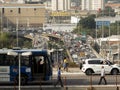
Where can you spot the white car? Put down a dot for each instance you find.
(94, 65)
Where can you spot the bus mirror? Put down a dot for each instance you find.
(26, 54)
(12, 53)
(50, 51)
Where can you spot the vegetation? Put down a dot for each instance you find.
(108, 11)
(88, 22)
(112, 30)
(87, 25)
(8, 40)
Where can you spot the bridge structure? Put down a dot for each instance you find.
(53, 36)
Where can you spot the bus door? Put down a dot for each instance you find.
(38, 66)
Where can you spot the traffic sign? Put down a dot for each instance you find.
(104, 23)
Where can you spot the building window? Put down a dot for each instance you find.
(11, 10)
(3, 10)
(34, 9)
(19, 10)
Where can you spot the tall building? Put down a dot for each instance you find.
(93, 4)
(61, 5)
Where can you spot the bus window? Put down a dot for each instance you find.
(25, 61)
(6, 60)
(1, 59)
(9, 60)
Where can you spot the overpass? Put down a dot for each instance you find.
(62, 39)
(56, 37)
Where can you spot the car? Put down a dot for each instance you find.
(93, 66)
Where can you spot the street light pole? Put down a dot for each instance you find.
(96, 31)
(19, 70)
(118, 33)
(28, 24)
(1, 20)
(109, 43)
(17, 30)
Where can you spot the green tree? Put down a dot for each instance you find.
(3, 39)
(88, 22)
(8, 40)
(108, 11)
(86, 25)
(112, 30)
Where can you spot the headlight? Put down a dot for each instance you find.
(28, 70)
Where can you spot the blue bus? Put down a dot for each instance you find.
(33, 67)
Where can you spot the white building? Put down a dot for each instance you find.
(21, 1)
(61, 5)
(54, 5)
(60, 27)
(93, 4)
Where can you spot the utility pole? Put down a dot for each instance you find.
(1, 20)
(17, 30)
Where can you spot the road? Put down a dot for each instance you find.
(79, 78)
(73, 80)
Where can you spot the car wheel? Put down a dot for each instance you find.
(88, 72)
(114, 72)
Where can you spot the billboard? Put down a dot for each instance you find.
(60, 14)
(104, 23)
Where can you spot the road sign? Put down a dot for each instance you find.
(104, 23)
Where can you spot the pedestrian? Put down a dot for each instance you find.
(59, 78)
(102, 76)
(65, 64)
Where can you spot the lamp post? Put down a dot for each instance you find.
(118, 33)
(109, 44)
(19, 71)
(17, 30)
(96, 30)
(1, 20)
(28, 24)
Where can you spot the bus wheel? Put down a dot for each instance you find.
(23, 79)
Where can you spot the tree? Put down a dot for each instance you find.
(86, 25)
(112, 30)
(108, 11)
(8, 40)
(88, 22)
(3, 39)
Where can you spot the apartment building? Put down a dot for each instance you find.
(93, 4)
(61, 5)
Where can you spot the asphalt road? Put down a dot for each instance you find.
(73, 80)
(77, 77)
